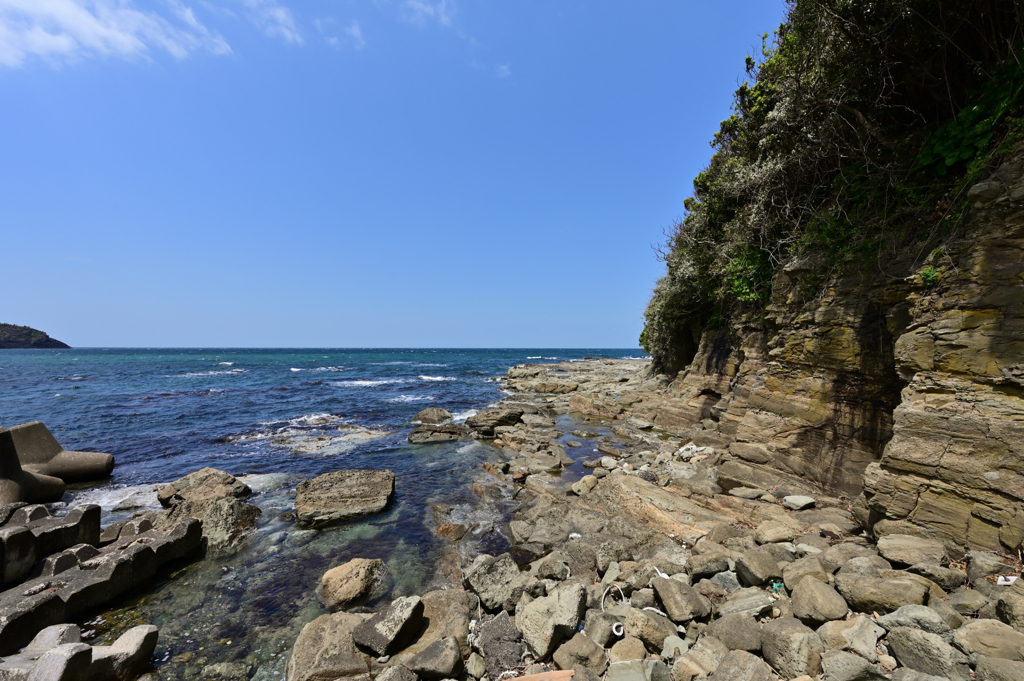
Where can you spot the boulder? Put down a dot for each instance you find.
(599, 627)
(342, 495)
(128, 656)
(946, 578)
(345, 584)
(389, 631)
(839, 665)
(796, 502)
(443, 433)
(858, 634)
(905, 549)
(737, 632)
(580, 650)
(39, 452)
(994, 669)
(756, 567)
(740, 665)
(927, 653)
(1010, 608)
(919, 617)
(706, 565)
(395, 672)
(791, 648)
(448, 612)
(681, 602)
(702, 660)
(650, 627)
(433, 416)
(547, 621)
(750, 601)
(835, 557)
(486, 421)
(793, 573)
(442, 659)
(629, 648)
(673, 648)
(982, 564)
(213, 497)
(815, 602)
(325, 649)
(771, 531)
(496, 580)
(500, 643)
(872, 594)
(990, 638)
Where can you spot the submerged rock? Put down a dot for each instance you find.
(347, 583)
(433, 416)
(342, 495)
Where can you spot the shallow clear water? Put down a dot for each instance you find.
(276, 417)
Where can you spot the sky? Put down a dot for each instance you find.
(343, 173)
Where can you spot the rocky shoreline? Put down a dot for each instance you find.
(636, 555)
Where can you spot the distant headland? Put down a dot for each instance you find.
(14, 337)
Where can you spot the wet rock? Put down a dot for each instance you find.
(905, 549)
(342, 495)
(500, 643)
(387, 632)
(629, 648)
(740, 665)
(427, 434)
(546, 622)
(858, 634)
(990, 638)
(791, 648)
(927, 653)
(681, 602)
(442, 659)
(433, 416)
(581, 651)
(838, 665)
(496, 580)
(347, 583)
(325, 650)
(815, 602)
(991, 669)
(756, 567)
(737, 632)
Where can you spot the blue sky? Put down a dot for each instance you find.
(332, 173)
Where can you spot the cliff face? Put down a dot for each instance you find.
(24, 337)
(882, 384)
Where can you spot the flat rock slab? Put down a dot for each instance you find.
(797, 502)
(342, 495)
(905, 549)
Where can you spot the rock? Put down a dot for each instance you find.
(325, 650)
(946, 578)
(433, 416)
(905, 549)
(584, 485)
(475, 666)
(835, 557)
(793, 573)
(1010, 608)
(599, 627)
(580, 650)
(756, 567)
(982, 564)
(681, 602)
(442, 659)
(706, 565)
(213, 497)
(737, 632)
(990, 638)
(858, 634)
(629, 648)
(747, 492)
(865, 566)
(494, 580)
(500, 643)
(427, 434)
(783, 553)
(67, 662)
(992, 669)
(389, 631)
(919, 617)
(342, 495)
(907, 674)
(815, 602)
(486, 421)
(206, 484)
(927, 653)
(839, 665)
(395, 672)
(546, 622)
(750, 601)
(448, 612)
(128, 656)
(791, 648)
(872, 594)
(740, 665)
(627, 671)
(673, 648)
(649, 627)
(702, 660)
(950, 616)
(795, 502)
(967, 602)
(771, 531)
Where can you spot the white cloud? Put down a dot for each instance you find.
(68, 30)
(274, 19)
(503, 71)
(355, 34)
(420, 11)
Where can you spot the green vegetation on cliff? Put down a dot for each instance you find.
(14, 337)
(862, 126)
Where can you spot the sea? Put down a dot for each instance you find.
(274, 418)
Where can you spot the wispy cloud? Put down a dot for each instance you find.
(503, 71)
(355, 34)
(274, 19)
(69, 30)
(419, 12)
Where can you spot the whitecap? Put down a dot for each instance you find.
(438, 378)
(119, 498)
(412, 398)
(431, 364)
(294, 369)
(208, 373)
(328, 369)
(226, 364)
(461, 416)
(537, 357)
(369, 383)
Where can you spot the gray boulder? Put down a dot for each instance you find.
(649, 627)
(389, 631)
(756, 567)
(857, 634)
(793, 572)
(737, 632)
(815, 602)
(681, 602)
(994, 669)
(433, 416)
(838, 665)
(496, 580)
(581, 651)
(905, 549)
(750, 601)
(990, 638)
(791, 648)
(927, 653)
(325, 649)
(946, 578)
(500, 643)
(342, 495)
(546, 622)
(706, 565)
(919, 617)
(703, 659)
(740, 665)
(872, 594)
(442, 659)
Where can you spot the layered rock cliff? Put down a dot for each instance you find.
(900, 390)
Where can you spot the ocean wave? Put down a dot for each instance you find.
(412, 398)
(294, 369)
(438, 378)
(208, 373)
(368, 382)
(537, 357)
(461, 416)
(225, 364)
(327, 369)
(431, 364)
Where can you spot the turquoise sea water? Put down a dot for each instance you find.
(275, 417)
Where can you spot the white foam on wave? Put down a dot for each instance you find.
(431, 364)
(226, 364)
(412, 398)
(208, 373)
(119, 498)
(537, 357)
(461, 416)
(294, 369)
(369, 382)
(438, 378)
(327, 369)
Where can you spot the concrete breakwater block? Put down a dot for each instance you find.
(58, 654)
(83, 578)
(17, 485)
(39, 452)
(29, 533)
